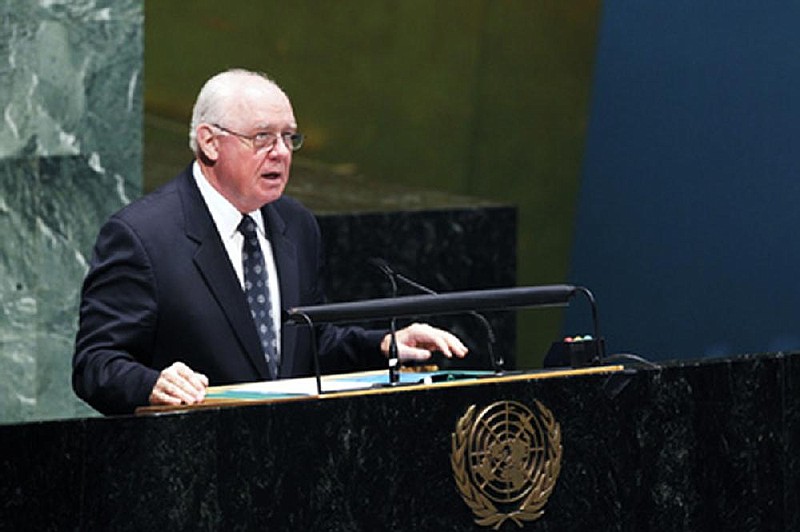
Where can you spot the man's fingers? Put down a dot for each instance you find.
(440, 340)
(175, 392)
(447, 343)
(406, 352)
(417, 341)
(179, 384)
(160, 397)
(183, 389)
(198, 381)
(455, 346)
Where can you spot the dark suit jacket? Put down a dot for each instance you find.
(161, 289)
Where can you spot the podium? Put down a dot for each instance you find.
(688, 445)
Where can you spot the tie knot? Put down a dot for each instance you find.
(247, 226)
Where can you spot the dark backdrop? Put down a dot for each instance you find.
(688, 218)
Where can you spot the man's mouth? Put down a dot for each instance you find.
(271, 175)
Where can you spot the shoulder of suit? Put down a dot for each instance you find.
(289, 206)
(151, 207)
(165, 197)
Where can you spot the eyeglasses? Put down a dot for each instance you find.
(264, 140)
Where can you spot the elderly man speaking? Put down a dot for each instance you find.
(186, 285)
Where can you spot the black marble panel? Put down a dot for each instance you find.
(445, 250)
(790, 449)
(708, 445)
(139, 475)
(41, 476)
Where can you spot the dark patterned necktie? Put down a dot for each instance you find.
(256, 289)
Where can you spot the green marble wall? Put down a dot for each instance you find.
(70, 154)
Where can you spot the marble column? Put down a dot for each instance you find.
(70, 154)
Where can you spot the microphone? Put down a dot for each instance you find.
(496, 360)
(394, 361)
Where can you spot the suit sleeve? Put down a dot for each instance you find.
(118, 313)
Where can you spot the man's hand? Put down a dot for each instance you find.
(418, 340)
(178, 384)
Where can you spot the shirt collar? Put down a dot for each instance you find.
(226, 217)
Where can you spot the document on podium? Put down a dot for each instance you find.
(307, 386)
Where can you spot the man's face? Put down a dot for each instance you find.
(250, 178)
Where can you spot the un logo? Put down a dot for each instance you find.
(506, 460)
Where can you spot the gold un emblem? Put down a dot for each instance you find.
(506, 461)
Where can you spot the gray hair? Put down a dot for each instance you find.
(210, 106)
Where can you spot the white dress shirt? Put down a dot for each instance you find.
(227, 218)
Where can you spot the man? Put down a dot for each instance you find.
(186, 284)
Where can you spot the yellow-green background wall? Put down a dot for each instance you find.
(480, 98)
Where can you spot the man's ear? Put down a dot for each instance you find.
(207, 142)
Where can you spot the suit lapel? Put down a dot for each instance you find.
(215, 268)
(285, 255)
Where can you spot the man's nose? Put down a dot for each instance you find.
(280, 148)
